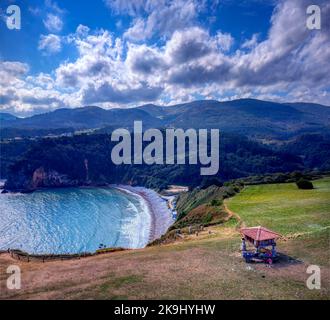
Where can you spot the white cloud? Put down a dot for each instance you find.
(130, 7)
(142, 59)
(11, 73)
(160, 18)
(54, 7)
(24, 94)
(11, 77)
(190, 44)
(82, 30)
(250, 43)
(53, 23)
(225, 41)
(137, 31)
(50, 43)
(291, 64)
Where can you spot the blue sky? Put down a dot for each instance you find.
(123, 53)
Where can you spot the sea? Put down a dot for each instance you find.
(76, 220)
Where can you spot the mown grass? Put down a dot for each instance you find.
(284, 208)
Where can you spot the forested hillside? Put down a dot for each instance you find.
(64, 162)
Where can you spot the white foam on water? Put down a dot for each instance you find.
(137, 229)
(157, 207)
(79, 220)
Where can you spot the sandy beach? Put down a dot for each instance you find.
(160, 213)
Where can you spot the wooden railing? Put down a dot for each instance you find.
(26, 257)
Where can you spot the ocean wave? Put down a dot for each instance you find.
(74, 220)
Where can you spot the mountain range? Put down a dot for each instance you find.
(250, 117)
(297, 137)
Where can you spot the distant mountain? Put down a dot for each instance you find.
(313, 109)
(165, 112)
(7, 117)
(81, 118)
(249, 117)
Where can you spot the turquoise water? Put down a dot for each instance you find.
(73, 220)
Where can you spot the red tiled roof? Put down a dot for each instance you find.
(260, 233)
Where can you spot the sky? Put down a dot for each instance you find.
(126, 53)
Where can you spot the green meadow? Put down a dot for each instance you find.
(284, 208)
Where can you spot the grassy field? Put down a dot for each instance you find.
(207, 266)
(284, 208)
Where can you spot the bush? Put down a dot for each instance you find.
(304, 184)
(216, 203)
(229, 192)
(208, 218)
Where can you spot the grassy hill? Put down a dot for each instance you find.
(205, 267)
(285, 208)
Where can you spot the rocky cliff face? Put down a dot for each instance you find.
(39, 179)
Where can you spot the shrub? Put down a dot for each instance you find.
(208, 218)
(304, 184)
(237, 188)
(216, 203)
(229, 192)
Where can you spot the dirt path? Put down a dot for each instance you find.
(241, 223)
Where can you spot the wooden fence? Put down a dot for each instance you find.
(26, 257)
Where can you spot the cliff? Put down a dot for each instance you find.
(40, 178)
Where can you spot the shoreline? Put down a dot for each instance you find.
(161, 215)
(160, 210)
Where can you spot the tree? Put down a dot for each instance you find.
(304, 184)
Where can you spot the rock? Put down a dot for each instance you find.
(40, 178)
